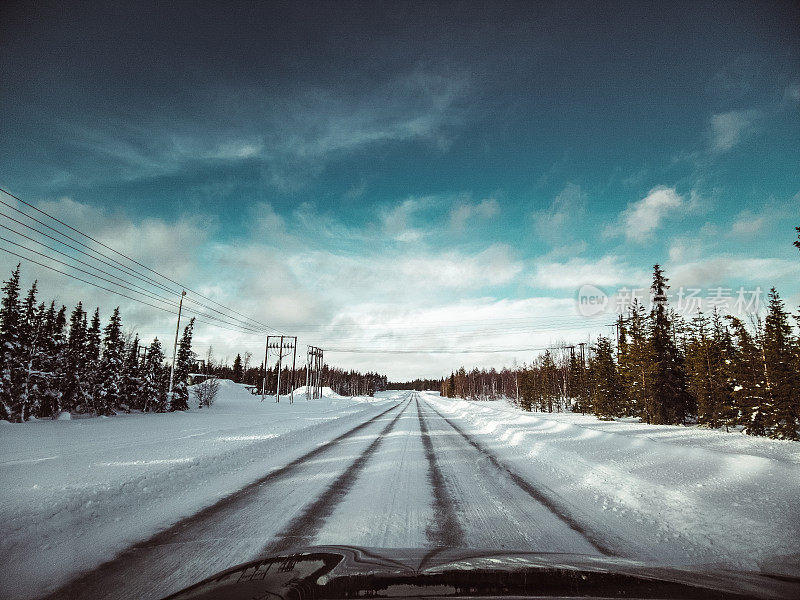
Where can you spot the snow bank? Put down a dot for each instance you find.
(664, 493)
(77, 491)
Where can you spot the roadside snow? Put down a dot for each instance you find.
(76, 491)
(672, 494)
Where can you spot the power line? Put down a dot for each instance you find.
(146, 293)
(168, 310)
(118, 268)
(443, 350)
(129, 269)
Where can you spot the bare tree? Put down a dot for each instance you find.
(206, 392)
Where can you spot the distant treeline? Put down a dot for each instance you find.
(51, 364)
(417, 384)
(713, 370)
(345, 383)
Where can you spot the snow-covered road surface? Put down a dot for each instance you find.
(414, 470)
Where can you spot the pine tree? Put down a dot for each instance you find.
(183, 365)
(72, 389)
(52, 362)
(155, 378)
(91, 374)
(10, 321)
(108, 394)
(26, 376)
(132, 384)
(636, 362)
(670, 400)
(707, 371)
(578, 384)
(237, 369)
(58, 359)
(783, 380)
(549, 386)
(748, 383)
(608, 393)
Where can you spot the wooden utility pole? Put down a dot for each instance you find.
(280, 363)
(294, 361)
(264, 383)
(314, 372)
(308, 368)
(175, 348)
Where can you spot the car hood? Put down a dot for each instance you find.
(322, 572)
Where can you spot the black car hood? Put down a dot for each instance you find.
(334, 572)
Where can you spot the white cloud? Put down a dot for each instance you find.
(567, 206)
(748, 224)
(725, 269)
(462, 212)
(575, 272)
(396, 221)
(728, 129)
(640, 219)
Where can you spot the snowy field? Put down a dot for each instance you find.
(141, 505)
(74, 492)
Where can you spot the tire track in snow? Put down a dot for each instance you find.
(302, 529)
(85, 584)
(444, 530)
(543, 499)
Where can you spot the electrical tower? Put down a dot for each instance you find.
(286, 343)
(313, 372)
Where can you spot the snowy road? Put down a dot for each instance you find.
(403, 470)
(405, 478)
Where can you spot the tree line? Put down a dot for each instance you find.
(713, 370)
(344, 383)
(51, 364)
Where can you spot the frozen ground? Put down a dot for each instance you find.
(141, 505)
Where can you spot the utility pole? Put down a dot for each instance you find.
(280, 362)
(319, 373)
(294, 361)
(314, 372)
(264, 383)
(175, 348)
(308, 367)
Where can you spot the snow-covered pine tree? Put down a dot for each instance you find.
(608, 393)
(132, 384)
(706, 370)
(51, 364)
(155, 379)
(108, 396)
(72, 392)
(10, 321)
(183, 365)
(57, 360)
(747, 373)
(91, 373)
(670, 400)
(578, 384)
(26, 377)
(636, 364)
(237, 369)
(549, 385)
(783, 380)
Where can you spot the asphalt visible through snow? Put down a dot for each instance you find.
(408, 477)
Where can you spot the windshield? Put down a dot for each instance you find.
(482, 283)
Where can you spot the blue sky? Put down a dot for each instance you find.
(370, 167)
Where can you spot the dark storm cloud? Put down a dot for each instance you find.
(119, 95)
